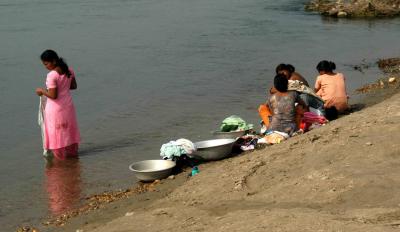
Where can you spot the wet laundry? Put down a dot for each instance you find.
(174, 149)
(234, 123)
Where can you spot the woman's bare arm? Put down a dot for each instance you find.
(50, 93)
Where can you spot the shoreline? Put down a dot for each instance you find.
(141, 196)
(241, 189)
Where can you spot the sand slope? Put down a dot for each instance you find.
(342, 177)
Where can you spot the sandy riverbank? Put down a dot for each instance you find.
(261, 181)
(341, 177)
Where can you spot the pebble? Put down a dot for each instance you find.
(128, 214)
(335, 130)
(392, 79)
(369, 143)
(79, 230)
(158, 212)
(341, 14)
(315, 138)
(171, 177)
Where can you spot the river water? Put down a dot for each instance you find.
(149, 72)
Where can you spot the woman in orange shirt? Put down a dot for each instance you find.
(331, 87)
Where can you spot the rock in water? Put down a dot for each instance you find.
(342, 14)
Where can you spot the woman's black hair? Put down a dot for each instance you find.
(326, 66)
(288, 67)
(281, 83)
(51, 56)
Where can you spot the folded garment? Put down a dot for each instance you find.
(274, 137)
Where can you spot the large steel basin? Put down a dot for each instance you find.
(228, 135)
(149, 170)
(214, 149)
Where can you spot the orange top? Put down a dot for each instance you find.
(332, 89)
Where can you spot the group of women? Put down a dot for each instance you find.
(291, 96)
(61, 132)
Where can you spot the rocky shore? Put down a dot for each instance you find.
(355, 8)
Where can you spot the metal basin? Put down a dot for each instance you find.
(229, 135)
(215, 149)
(149, 170)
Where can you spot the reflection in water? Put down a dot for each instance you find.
(63, 185)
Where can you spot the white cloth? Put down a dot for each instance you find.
(42, 104)
(187, 145)
(302, 88)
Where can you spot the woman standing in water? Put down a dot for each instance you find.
(61, 129)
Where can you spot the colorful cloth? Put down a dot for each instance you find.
(234, 123)
(332, 89)
(265, 114)
(310, 117)
(174, 149)
(61, 128)
(312, 120)
(274, 137)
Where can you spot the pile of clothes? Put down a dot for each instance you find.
(311, 121)
(175, 149)
(274, 137)
(235, 123)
